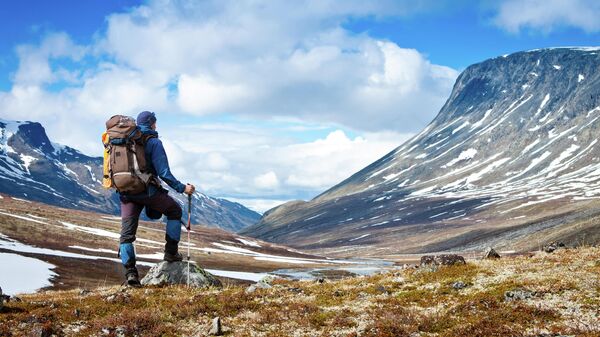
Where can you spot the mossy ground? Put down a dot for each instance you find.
(564, 290)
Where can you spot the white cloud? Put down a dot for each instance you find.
(272, 168)
(203, 95)
(34, 67)
(266, 181)
(271, 61)
(548, 15)
(282, 59)
(259, 205)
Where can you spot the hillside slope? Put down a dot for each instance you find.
(511, 160)
(64, 248)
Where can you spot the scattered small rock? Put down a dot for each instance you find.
(442, 259)
(491, 253)
(459, 285)
(428, 260)
(381, 289)
(552, 246)
(84, 292)
(252, 288)
(118, 298)
(41, 330)
(518, 295)
(216, 329)
(320, 280)
(268, 279)
(14, 299)
(399, 279)
(338, 293)
(295, 290)
(120, 331)
(76, 313)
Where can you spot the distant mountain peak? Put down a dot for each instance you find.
(33, 167)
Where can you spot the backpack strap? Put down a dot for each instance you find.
(146, 137)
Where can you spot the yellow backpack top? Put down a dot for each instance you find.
(106, 181)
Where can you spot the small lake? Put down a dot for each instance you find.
(347, 268)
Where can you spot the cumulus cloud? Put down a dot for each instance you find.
(273, 168)
(282, 59)
(265, 61)
(548, 15)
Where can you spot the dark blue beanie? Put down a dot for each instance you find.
(146, 118)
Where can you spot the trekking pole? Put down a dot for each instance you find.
(189, 227)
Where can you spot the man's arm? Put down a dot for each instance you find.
(161, 164)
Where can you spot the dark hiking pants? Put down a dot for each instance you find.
(130, 214)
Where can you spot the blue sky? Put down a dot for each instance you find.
(266, 101)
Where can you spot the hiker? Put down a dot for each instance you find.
(155, 199)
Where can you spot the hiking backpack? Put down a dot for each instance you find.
(124, 158)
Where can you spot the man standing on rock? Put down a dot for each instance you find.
(155, 199)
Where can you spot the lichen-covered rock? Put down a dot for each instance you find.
(167, 273)
(518, 295)
(552, 246)
(442, 259)
(459, 285)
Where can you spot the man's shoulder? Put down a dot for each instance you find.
(153, 141)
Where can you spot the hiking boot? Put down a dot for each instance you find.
(169, 257)
(133, 279)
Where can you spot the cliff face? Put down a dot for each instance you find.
(513, 151)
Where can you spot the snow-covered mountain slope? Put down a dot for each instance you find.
(511, 160)
(34, 168)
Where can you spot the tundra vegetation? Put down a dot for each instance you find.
(536, 294)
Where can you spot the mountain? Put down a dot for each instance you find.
(34, 168)
(512, 160)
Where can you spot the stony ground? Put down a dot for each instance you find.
(539, 294)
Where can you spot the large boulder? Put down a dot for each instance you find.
(167, 273)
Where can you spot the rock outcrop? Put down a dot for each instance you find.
(491, 253)
(442, 259)
(168, 273)
(264, 283)
(552, 246)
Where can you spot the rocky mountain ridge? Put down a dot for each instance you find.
(511, 160)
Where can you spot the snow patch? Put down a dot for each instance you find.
(464, 155)
(248, 242)
(360, 237)
(27, 160)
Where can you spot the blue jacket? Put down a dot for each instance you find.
(158, 164)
